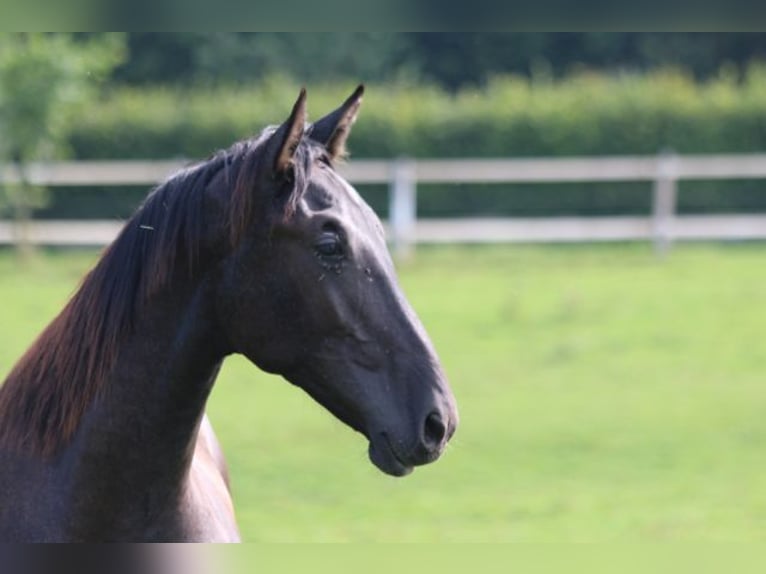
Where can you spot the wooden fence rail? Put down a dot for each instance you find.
(403, 175)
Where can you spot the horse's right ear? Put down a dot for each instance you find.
(333, 129)
(284, 141)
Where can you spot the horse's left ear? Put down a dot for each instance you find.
(333, 129)
(284, 141)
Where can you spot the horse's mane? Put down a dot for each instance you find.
(46, 394)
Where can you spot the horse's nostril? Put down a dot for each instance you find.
(434, 430)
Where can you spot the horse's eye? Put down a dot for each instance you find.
(329, 245)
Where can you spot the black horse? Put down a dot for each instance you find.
(262, 250)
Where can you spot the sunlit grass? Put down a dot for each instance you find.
(604, 394)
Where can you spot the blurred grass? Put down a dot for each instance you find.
(604, 395)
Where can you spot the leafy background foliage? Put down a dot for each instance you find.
(430, 95)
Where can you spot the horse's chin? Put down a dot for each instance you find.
(383, 456)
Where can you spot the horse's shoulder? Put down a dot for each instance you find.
(208, 447)
(210, 500)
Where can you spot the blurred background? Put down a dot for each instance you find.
(578, 218)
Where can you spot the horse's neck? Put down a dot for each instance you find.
(140, 437)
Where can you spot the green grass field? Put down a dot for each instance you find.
(604, 395)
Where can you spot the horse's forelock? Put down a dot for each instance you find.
(247, 192)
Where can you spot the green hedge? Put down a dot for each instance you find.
(512, 117)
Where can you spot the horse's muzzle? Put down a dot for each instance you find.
(393, 458)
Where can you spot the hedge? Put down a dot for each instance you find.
(587, 114)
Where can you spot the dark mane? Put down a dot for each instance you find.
(46, 394)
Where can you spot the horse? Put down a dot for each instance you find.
(262, 250)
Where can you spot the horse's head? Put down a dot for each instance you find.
(310, 292)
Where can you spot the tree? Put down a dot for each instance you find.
(453, 60)
(45, 79)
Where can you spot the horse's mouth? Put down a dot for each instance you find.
(383, 455)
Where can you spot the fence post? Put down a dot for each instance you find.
(402, 209)
(664, 201)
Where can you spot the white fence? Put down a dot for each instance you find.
(663, 226)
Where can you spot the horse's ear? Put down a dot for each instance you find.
(285, 140)
(333, 129)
